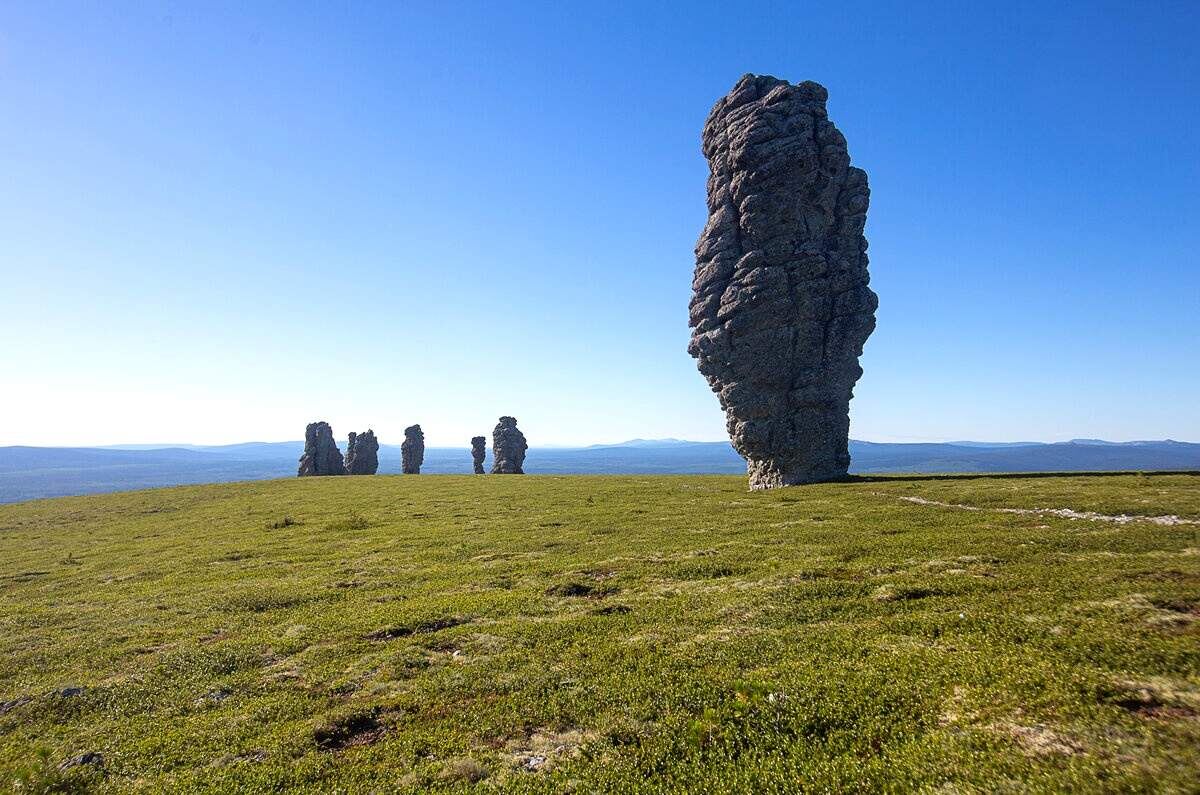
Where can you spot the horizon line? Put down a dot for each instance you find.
(570, 446)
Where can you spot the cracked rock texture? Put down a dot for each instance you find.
(412, 450)
(362, 454)
(321, 454)
(478, 452)
(780, 305)
(508, 448)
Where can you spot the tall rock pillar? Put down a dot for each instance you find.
(780, 305)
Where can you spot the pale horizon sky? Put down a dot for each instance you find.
(223, 221)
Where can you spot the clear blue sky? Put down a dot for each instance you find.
(219, 222)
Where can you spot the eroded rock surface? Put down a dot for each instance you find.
(321, 454)
(780, 305)
(362, 453)
(508, 448)
(478, 452)
(412, 450)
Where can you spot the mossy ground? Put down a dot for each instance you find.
(653, 634)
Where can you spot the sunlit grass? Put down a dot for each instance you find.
(602, 633)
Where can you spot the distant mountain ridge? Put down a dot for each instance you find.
(33, 472)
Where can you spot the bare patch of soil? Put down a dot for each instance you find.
(360, 728)
(419, 628)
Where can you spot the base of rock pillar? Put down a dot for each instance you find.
(777, 474)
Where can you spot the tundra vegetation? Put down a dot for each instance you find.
(548, 634)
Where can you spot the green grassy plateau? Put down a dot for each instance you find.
(632, 634)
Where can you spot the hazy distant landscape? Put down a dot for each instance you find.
(28, 473)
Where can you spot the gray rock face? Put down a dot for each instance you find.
(362, 453)
(780, 305)
(321, 455)
(508, 448)
(412, 450)
(478, 452)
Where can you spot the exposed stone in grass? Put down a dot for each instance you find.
(321, 455)
(412, 450)
(358, 728)
(508, 448)
(419, 628)
(87, 759)
(213, 697)
(533, 762)
(544, 749)
(780, 305)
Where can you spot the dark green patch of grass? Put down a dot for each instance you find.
(354, 522)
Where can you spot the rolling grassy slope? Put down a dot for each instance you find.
(655, 634)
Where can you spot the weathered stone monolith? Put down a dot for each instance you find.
(508, 448)
(412, 450)
(478, 452)
(780, 305)
(362, 454)
(321, 455)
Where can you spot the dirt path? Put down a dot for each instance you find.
(1063, 513)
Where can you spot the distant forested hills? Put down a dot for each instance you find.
(33, 472)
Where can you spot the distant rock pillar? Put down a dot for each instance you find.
(508, 448)
(478, 452)
(321, 455)
(362, 454)
(412, 450)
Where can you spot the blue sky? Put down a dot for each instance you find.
(220, 222)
